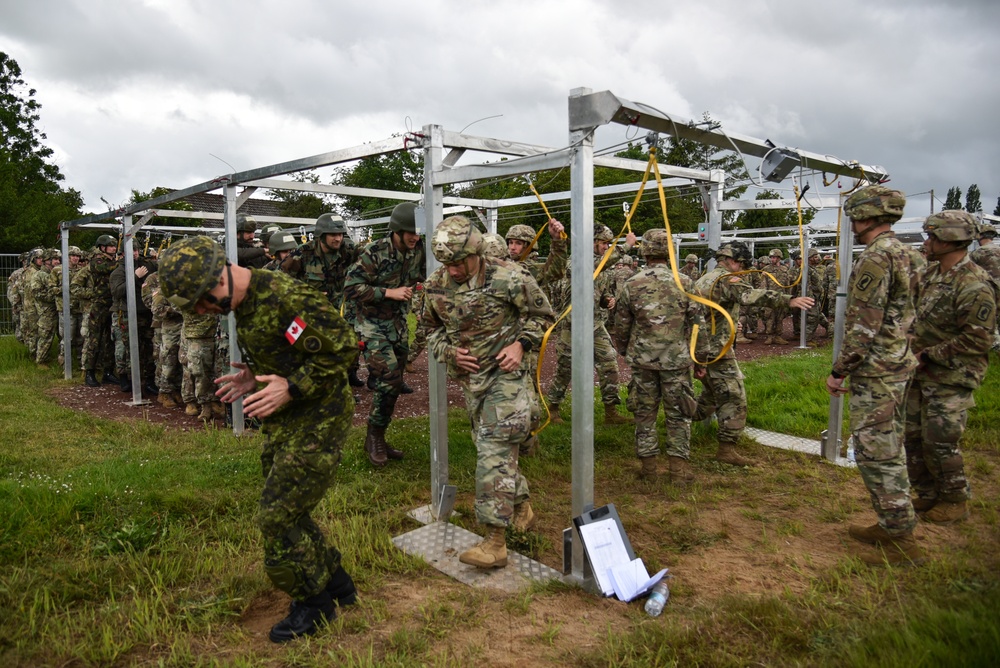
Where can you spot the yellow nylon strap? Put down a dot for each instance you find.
(538, 235)
(538, 370)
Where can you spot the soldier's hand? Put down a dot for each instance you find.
(700, 372)
(630, 239)
(141, 272)
(511, 356)
(235, 385)
(269, 399)
(556, 229)
(465, 361)
(399, 294)
(835, 386)
(801, 302)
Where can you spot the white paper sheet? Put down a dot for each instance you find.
(605, 548)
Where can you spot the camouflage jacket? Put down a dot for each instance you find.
(988, 257)
(654, 320)
(956, 317)
(553, 269)
(690, 270)
(287, 329)
(880, 312)
(381, 267)
(781, 273)
(730, 292)
(199, 326)
(562, 294)
(13, 295)
(56, 289)
(163, 313)
(324, 272)
(101, 267)
(119, 286)
(24, 286)
(39, 289)
(501, 304)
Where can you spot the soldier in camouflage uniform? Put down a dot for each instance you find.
(249, 251)
(118, 283)
(168, 371)
(45, 308)
(605, 355)
(75, 306)
(482, 316)
(690, 268)
(987, 256)
(723, 393)
(652, 325)
(952, 336)
(29, 312)
(381, 284)
(94, 286)
(281, 244)
(877, 357)
(775, 317)
(297, 349)
(322, 264)
(14, 296)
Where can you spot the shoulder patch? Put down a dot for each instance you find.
(295, 330)
(312, 344)
(734, 279)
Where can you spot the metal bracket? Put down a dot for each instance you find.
(445, 504)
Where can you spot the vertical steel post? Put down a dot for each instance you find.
(845, 248)
(582, 323)
(715, 196)
(491, 220)
(229, 225)
(131, 300)
(433, 207)
(67, 328)
(804, 288)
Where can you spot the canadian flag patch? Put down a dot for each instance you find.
(295, 330)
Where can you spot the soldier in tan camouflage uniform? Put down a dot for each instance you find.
(653, 323)
(29, 311)
(482, 316)
(952, 335)
(14, 296)
(45, 307)
(690, 268)
(75, 305)
(774, 318)
(987, 256)
(878, 359)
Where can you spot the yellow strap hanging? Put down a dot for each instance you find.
(538, 235)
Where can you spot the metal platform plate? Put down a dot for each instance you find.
(440, 543)
(786, 442)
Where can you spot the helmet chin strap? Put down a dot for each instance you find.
(226, 303)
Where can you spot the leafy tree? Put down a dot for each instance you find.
(298, 204)
(32, 203)
(954, 198)
(972, 201)
(401, 172)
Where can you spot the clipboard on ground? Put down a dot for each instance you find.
(605, 543)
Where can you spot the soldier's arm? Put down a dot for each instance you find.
(360, 283)
(339, 347)
(864, 315)
(621, 329)
(117, 284)
(975, 310)
(536, 312)
(555, 265)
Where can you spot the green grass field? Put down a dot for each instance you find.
(134, 544)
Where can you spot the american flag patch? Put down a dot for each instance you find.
(295, 330)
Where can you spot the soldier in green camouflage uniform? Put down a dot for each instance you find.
(94, 286)
(482, 315)
(118, 283)
(297, 350)
(653, 323)
(14, 296)
(774, 318)
(75, 306)
(381, 285)
(723, 393)
(169, 371)
(605, 355)
(45, 308)
(29, 311)
(690, 268)
(877, 357)
(281, 244)
(952, 336)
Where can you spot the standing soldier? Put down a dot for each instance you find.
(95, 286)
(482, 316)
(690, 268)
(877, 358)
(952, 336)
(45, 307)
(13, 295)
(75, 306)
(298, 349)
(118, 283)
(281, 244)
(987, 256)
(322, 264)
(381, 285)
(774, 318)
(29, 312)
(653, 322)
(723, 393)
(169, 373)
(550, 272)
(249, 253)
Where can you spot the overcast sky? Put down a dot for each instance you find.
(137, 94)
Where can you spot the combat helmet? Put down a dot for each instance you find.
(105, 240)
(52, 254)
(268, 230)
(775, 252)
(952, 225)
(986, 229)
(189, 269)
(736, 250)
(455, 239)
(691, 257)
(75, 250)
(282, 241)
(656, 244)
(603, 233)
(875, 201)
(495, 246)
(521, 233)
(245, 223)
(330, 223)
(403, 218)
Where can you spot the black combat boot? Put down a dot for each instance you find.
(90, 380)
(341, 588)
(405, 389)
(125, 383)
(375, 445)
(352, 378)
(109, 377)
(371, 382)
(150, 388)
(305, 618)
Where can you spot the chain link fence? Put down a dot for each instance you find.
(8, 264)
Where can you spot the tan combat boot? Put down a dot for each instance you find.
(611, 415)
(680, 471)
(409, 368)
(648, 471)
(901, 550)
(769, 341)
(872, 535)
(206, 411)
(727, 455)
(554, 416)
(742, 339)
(191, 409)
(946, 512)
(166, 400)
(922, 505)
(491, 553)
(778, 341)
(524, 518)
(218, 410)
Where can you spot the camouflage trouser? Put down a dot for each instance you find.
(76, 329)
(724, 395)
(501, 421)
(170, 373)
(814, 318)
(650, 388)
(419, 343)
(876, 408)
(16, 314)
(605, 361)
(187, 382)
(385, 360)
(119, 334)
(47, 321)
(201, 366)
(29, 329)
(98, 349)
(297, 475)
(935, 420)
(222, 366)
(773, 319)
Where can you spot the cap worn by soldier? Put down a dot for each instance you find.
(656, 244)
(953, 225)
(244, 223)
(875, 202)
(455, 239)
(603, 233)
(189, 269)
(403, 218)
(986, 230)
(736, 250)
(691, 258)
(330, 223)
(521, 233)
(282, 241)
(495, 246)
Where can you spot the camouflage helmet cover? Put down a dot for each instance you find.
(106, 240)
(282, 241)
(875, 202)
(736, 250)
(189, 269)
(245, 223)
(495, 246)
(603, 233)
(951, 225)
(403, 218)
(455, 239)
(656, 244)
(330, 223)
(521, 233)
(986, 229)
(626, 260)
(775, 252)
(813, 252)
(51, 254)
(692, 258)
(75, 250)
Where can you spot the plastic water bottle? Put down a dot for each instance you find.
(657, 598)
(850, 449)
